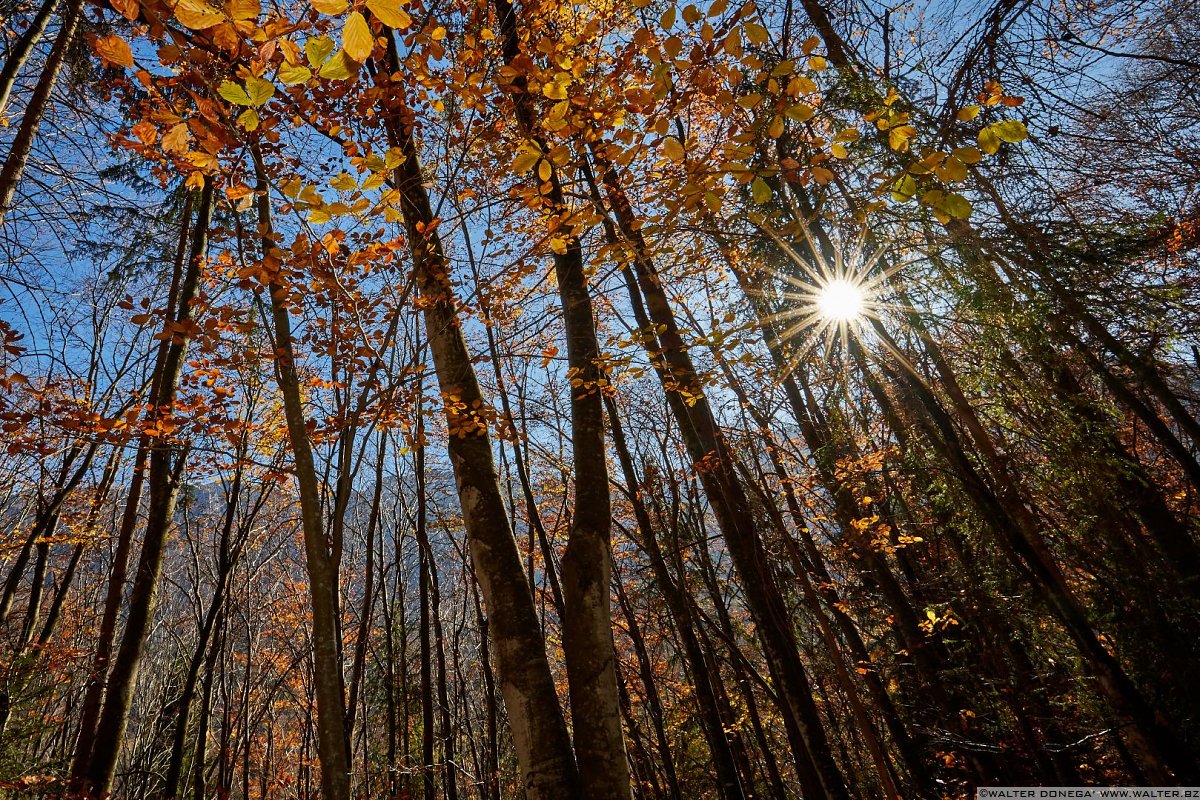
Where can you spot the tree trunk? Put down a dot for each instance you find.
(22, 143)
(322, 571)
(535, 718)
(587, 562)
(21, 49)
(819, 773)
(166, 467)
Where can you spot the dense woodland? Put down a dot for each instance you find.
(599, 399)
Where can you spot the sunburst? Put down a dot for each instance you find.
(833, 294)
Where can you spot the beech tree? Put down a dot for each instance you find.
(632, 400)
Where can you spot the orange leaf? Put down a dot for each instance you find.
(176, 139)
(129, 9)
(197, 15)
(113, 50)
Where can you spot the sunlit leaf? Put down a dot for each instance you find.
(339, 67)
(259, 90)
(293, 73)
(357, 40)
(248, 119)
(197, 15)
(318, 49)
(1010, 130)
(244, 9)
(234, 94)
(113, 50)
(390, 13)
(673, 149)
(330, 7)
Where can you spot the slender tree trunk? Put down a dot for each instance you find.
(98, 679)
(587, 562)
(22, 143)
(424, 599)
(45, 523)
(366, 617)
(225, 566)
(713, 458)
(322, 571)
(653, 701)
(729, 782)
(539, 731)
(19, 54)
(166, 466)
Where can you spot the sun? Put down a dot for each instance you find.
(840, 300)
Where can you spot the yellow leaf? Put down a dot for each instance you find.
(344, 181)
(956, 206)
(554, 90)
(967, 155)
(197, 15)
(525, 161)
(318, 215)
(967, 114)
(330, 7)
(989, 142)
(1010, 130)
(244, 9)
(317, 49)
(234, 93)
(390, 13)
(904, 189)
(293, 73)
(756, 33)
(951, 170)
(357, 41)
(817, 64)
(801, 84)
(113, 50)
(760, 191)
(839, 150)
(801, 112)
(259, 90)
(339, 67)
(545, 170)
(202, 160)
(373, 181)
(673, 149)
(898, 137)
(248, 119)
(783, 68)
(394, 158)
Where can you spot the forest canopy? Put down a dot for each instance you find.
(602, 399)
